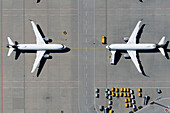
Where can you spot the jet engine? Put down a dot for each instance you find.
(126, 56)
(47, 56)
(126, 39)
(46, 39)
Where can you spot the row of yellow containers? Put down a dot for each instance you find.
(121, 89)
(120, 94)
(127, 100)
(128, 105)
(124, 89)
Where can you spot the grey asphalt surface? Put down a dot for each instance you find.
(56, 89)
(86, 56)
(67, 82)
(117, 19)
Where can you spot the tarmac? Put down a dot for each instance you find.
(68, 81)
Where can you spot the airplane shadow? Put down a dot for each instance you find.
(43, 60)
(161, 105)
(117, 57)
(139, 33)
(140, 64)
(42, 34)
(17, 54)
(38, 1)
(41, 65)
(151, 51)
(141, 0)
(40, 30)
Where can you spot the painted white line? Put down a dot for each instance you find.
(94, 58)
(78, 58)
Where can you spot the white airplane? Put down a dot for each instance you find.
(41, 47)
(131, 47)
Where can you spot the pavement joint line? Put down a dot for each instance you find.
(94, 56)
(2, 57)
(146, 8)
(41, 15)
(132, 81)
(136, 87)
(78, 58)
(41, 81)
(133, 15)
(39, 87)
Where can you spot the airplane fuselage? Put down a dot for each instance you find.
(132, 46)
(41, 46)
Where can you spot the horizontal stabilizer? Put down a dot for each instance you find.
(10, 51)
(162, 41)
(162, 51)
(10, 44)
(10, 41)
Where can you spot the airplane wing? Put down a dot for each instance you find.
(132, 54)
(132, 39)
(112, 61)
(39, 38)
(39, 56)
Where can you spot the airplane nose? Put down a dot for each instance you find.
(64, 47)
(107, 47)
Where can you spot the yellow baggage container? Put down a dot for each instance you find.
(139, 90)
(113, 94)
(128, 89)
(121, 94)
(126, 105)
(121, 89)
(126, 100)
(112, 89)
(125, 89)
(128, 94)
(117, 95)
(117, 89)
(125, 95)
(110, 111)
(130, 104)
(103, 39)
(139, 94)
(129, 99)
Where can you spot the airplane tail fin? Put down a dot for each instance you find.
(162, 45)
(10, 46)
